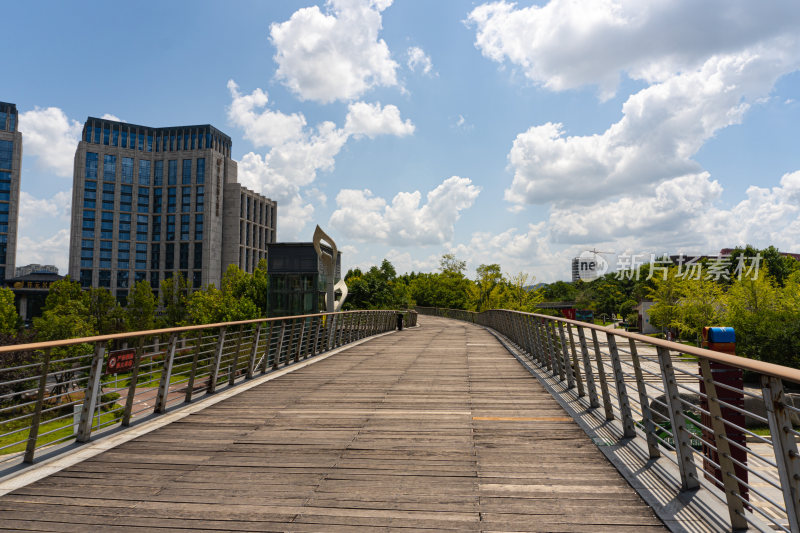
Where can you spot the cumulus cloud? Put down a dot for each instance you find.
(263, 127)
(109, 116)
(49, 251)
(362, 216)
(556, 45)
(336, 54)
(418, 59)
(373, 120)
(299, 152)
(32, 209)
(51, 137)
(662, 127)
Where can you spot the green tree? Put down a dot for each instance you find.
(665, 294)
(700, 305)
(10, 320)
(559, 291)
(488, 283)
(141, 309)
(104, 311)
(173, 301)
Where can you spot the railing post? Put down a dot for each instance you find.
(727, 468)
(193, 371)
(575, 365)
(587, 369)
(601, 375)
(267, 347)
(647, 415)
(276, 361)
(784, 445)
(565, 359)
(680, 435)
(541, 337)
(628, 429)
(33, 434)
(166, 375)
(299, 349)
(90, 395)
(557, 368)
(137, 361)
(330, 322)
(232, 377)
(317, 322)
(212, 379)
(251, 363)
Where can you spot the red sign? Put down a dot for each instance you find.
(120, 361)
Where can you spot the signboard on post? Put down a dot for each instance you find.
(120, 361)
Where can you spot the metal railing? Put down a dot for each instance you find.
(677, 398)
(66, 391)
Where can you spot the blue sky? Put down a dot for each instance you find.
(521, 133)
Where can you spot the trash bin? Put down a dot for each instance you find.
(723, 340)
(399, 321)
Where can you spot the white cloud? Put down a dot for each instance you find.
(662, 127)
(50, 251)
(556, 45)
(51, 137)
(417, 58)
(109, 116)
(32, 209)
(263, 128)
(335, 55)
(298, 152)
(362, 216)
(373, 120)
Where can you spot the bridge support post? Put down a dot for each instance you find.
(680, 433)
(575, 365)
(33, 434)
(90, 395)
(541, 339)
(783, 442)
(237, 353)
(587, 369)
(644, 402)
(276, 360)
(727, 468)
(628, 429)
(193, 371)
(565, 357)
(601, 375)
(212, 379)
(251, 362)
(137, 362)
(166, 374)
(300, 348)
(553, 354)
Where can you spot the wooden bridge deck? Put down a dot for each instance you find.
(434, 428)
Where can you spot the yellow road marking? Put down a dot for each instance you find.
(525, 418)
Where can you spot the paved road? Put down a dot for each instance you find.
(435, 428)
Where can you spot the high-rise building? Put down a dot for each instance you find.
(148, 203)
(10, 168)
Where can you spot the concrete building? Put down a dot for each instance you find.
(10, 167)
(36, 268)
(148, 203)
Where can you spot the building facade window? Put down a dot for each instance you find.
(109, 167)
(144, 172)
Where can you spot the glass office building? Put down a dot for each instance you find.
(10, 168)
(297, 279)
(149, 203)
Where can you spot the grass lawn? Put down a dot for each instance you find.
(66, 430)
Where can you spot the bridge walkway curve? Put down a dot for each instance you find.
(433, 428)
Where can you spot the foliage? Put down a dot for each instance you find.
(141, 309)
(10, 320)
(104, 311)
(173, 301)
(378, 288)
